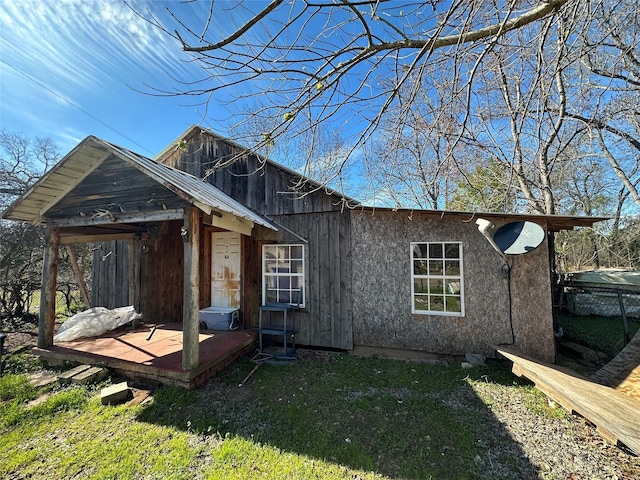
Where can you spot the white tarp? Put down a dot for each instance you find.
(94, 322)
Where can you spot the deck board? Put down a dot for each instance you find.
(623, 372)
(616, 415)
(158, 359)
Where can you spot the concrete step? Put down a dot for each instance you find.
(117, 393)
(92, 374)
(65, 378)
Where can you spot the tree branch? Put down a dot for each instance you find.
(536, 13)
(237, 34)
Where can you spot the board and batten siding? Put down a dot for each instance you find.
(110, 274)
(162, 275)
(158, 294)
(326, 320)
(381, 289)
(264, 187)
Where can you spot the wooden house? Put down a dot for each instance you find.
(253, 232)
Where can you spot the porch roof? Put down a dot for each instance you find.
(33, 205)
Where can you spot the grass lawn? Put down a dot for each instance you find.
(333, 417)
(603, 333)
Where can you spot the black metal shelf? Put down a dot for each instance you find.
(285, 329)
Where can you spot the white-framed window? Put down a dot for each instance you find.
(437, 278)
(283, 274)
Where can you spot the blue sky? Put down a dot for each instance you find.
(70, 68)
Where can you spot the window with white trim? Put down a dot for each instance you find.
(436, 278)
(283, 274)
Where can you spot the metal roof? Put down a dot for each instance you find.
(195, 128)
(554, 223)
(619, 278)
(90, 153)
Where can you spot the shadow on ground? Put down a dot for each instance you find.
(412, 421)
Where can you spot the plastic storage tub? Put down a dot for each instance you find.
(219, 318)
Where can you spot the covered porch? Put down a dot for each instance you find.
(153, 352)
(102, 193)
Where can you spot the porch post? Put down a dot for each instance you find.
(191, 304)
(134, 275)
(47, 320)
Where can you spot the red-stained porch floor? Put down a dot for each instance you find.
(158, 359)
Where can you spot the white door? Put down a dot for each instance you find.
(225, 269)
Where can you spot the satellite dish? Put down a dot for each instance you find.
(517, 238)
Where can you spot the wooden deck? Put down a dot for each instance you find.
(158, 359)
(616, 415)
(623, 372)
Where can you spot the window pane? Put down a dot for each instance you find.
(421, 302)
(435, 250)
(296, 266)
(435, 267)
(270, 266)
(284, 296)
(453, 288)
(420, 250)
(454, 304)
(421, 285)
(436, 303)
(436, 286)
(296, 252)
(272, 296)
(452, 250)
(420, 267)
(452, 267)
(296, 296)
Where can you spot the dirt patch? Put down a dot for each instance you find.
(19, 341)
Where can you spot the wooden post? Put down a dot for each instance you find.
(79, 275)
(47, 320)
(191, 304)
(623, 314)
(134, 247)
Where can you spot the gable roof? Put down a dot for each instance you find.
(89, 154)
(161, 157)
(554, 222)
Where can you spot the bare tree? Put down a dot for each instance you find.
(22, 161)
(610, 91)
(418, 152)
(521, 105)
(348, 63)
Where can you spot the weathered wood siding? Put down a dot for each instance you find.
(162, 276)
(317, 217)
(380, 249)
(251, 283)
(263, 187)
(326, 320)
(110, 275)
(116, 188)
